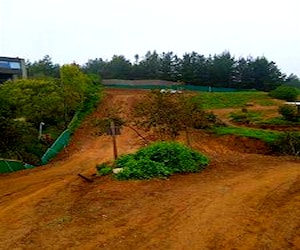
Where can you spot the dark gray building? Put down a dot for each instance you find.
(12, 68)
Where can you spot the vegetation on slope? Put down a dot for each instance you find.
(160, 159)
(30, 105)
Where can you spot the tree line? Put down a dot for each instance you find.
(219, 70)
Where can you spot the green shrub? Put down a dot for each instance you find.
(288, 112)
(103, 169)
(245, 116)
(143, 169)
(160, 159)
(288, 143)
(286, 93)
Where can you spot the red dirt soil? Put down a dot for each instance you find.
(243, 200)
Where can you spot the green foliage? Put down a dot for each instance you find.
(160, 159)
(289, 112)
(92, 100)
(265, 75)
(219, 70)
(286, 93)
(293, 81)
(264, 135)
(245, 116)
(103, 169)
(74, 88)
(27, 103)
(277, 121)
(222, 68)
(233, 99)
(43, 69)
(288, 143)
(19, 141)
(35, 100)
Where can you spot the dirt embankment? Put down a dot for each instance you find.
(243, 200)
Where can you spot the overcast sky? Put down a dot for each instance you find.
(78, 30)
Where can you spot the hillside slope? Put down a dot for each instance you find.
(243, 200)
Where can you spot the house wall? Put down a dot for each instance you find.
(12, 68)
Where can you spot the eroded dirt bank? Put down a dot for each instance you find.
(243, 200)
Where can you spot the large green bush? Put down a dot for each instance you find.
(286, 93)
(160, 159)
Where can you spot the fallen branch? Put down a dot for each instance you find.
(85, 178)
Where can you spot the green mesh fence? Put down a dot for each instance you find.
(125, 86)
(177, 87)
(7, 166)
(208, 89)
(61, 142)
(75, 122)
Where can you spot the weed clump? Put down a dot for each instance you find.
(160, 159)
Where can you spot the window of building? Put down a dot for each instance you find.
(4, 64)
(15, 65)
(10, 65)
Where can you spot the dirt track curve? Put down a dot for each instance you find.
(243, 200)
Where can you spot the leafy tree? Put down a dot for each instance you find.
(243, 74)
(150, 65)
(293, 81)
(118, 68)
(168, 114)
(222, 69)
(266, 75)
(286, 93)
(95, 67)
(19, 141)
(74, 87)
(168, 67)
(136, 57)
(19, 136)
(194, 69)
(33, 100)
(43, 68)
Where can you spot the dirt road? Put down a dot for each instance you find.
(243, 200)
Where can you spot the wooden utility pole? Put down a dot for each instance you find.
(113, 135)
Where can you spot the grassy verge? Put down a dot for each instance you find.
(267, 136)
(234, 99)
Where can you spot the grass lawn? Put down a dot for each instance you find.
(264, 135)
(233, 99)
